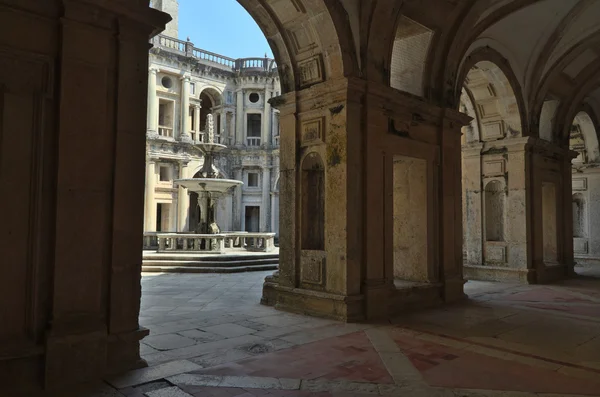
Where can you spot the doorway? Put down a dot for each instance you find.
(252, 219)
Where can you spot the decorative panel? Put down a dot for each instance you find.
(494, 167)
(303, 39)
(311, 71)
(24, 82)
(580, 246)
(493, 131)
(312, 267)
(580, 184)
(313, 132)
(495, 253)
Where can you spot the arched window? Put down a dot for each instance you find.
(579, 216)
(313, 203)
(494, 211)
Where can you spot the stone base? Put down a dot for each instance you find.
(313, 303)
(552, 272)
(408, 296)
(81, 356)
(124, 351)
(587, 261)
(505, 274)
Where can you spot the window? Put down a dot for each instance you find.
(193, 88)
(229, 97)
(167, 82)
(165, 118)
(165, 173)
(254, 127)
(254, 97)
(252, 179)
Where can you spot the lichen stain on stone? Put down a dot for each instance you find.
(335, 151)
(336, 109)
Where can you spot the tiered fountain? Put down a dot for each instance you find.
(210, 187)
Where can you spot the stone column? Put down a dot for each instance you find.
(266, 190)
(223, 132)
(184, 132)
(472, 211)
(150, 218)
(237, 202)
(152, 123)
(239, 118)
(183, 200)
(197, 121)
(266, 132)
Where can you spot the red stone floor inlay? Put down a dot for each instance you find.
(349, 357)
(443, 366)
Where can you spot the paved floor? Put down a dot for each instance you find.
(211, 337)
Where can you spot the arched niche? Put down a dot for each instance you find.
(579, 216)
(495, 198)
(313, 203)
(209, 98)
(409, 55)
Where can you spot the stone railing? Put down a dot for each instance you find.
(209, 243)
(235, 65)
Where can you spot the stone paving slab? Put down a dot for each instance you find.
(149, 374)
(442, 352)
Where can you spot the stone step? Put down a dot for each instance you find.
(205, 263)
(196, 269)
(207, 257)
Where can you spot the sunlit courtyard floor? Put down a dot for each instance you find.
(209, 336)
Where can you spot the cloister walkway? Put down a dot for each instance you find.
(211, 337)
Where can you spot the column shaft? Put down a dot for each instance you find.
(237, 203)
(185, 108)
(266, 132)
(266, 190)
(150, 218)
(197, 121)
(239, 123)
(183, 202)
(152, 103)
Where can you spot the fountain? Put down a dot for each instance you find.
(210, 187)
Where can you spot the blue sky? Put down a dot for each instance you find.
(222, 26)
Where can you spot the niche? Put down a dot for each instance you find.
(579, 216)
(410, 219)
(494, 211)
(313, 203)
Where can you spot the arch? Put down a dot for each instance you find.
(584, 125)
(496, 94)
(495, 198)
(292, 27)
(209, 98)
(313, 203)
(410, 50)
(548, 119)
(471, 132)
(579, 216)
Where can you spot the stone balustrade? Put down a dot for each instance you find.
(187, 48)
(209, 243)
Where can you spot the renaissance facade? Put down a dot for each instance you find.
(186, 84)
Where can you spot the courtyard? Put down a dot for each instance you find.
(209, 336)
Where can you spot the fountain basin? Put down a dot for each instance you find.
(208, 185)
